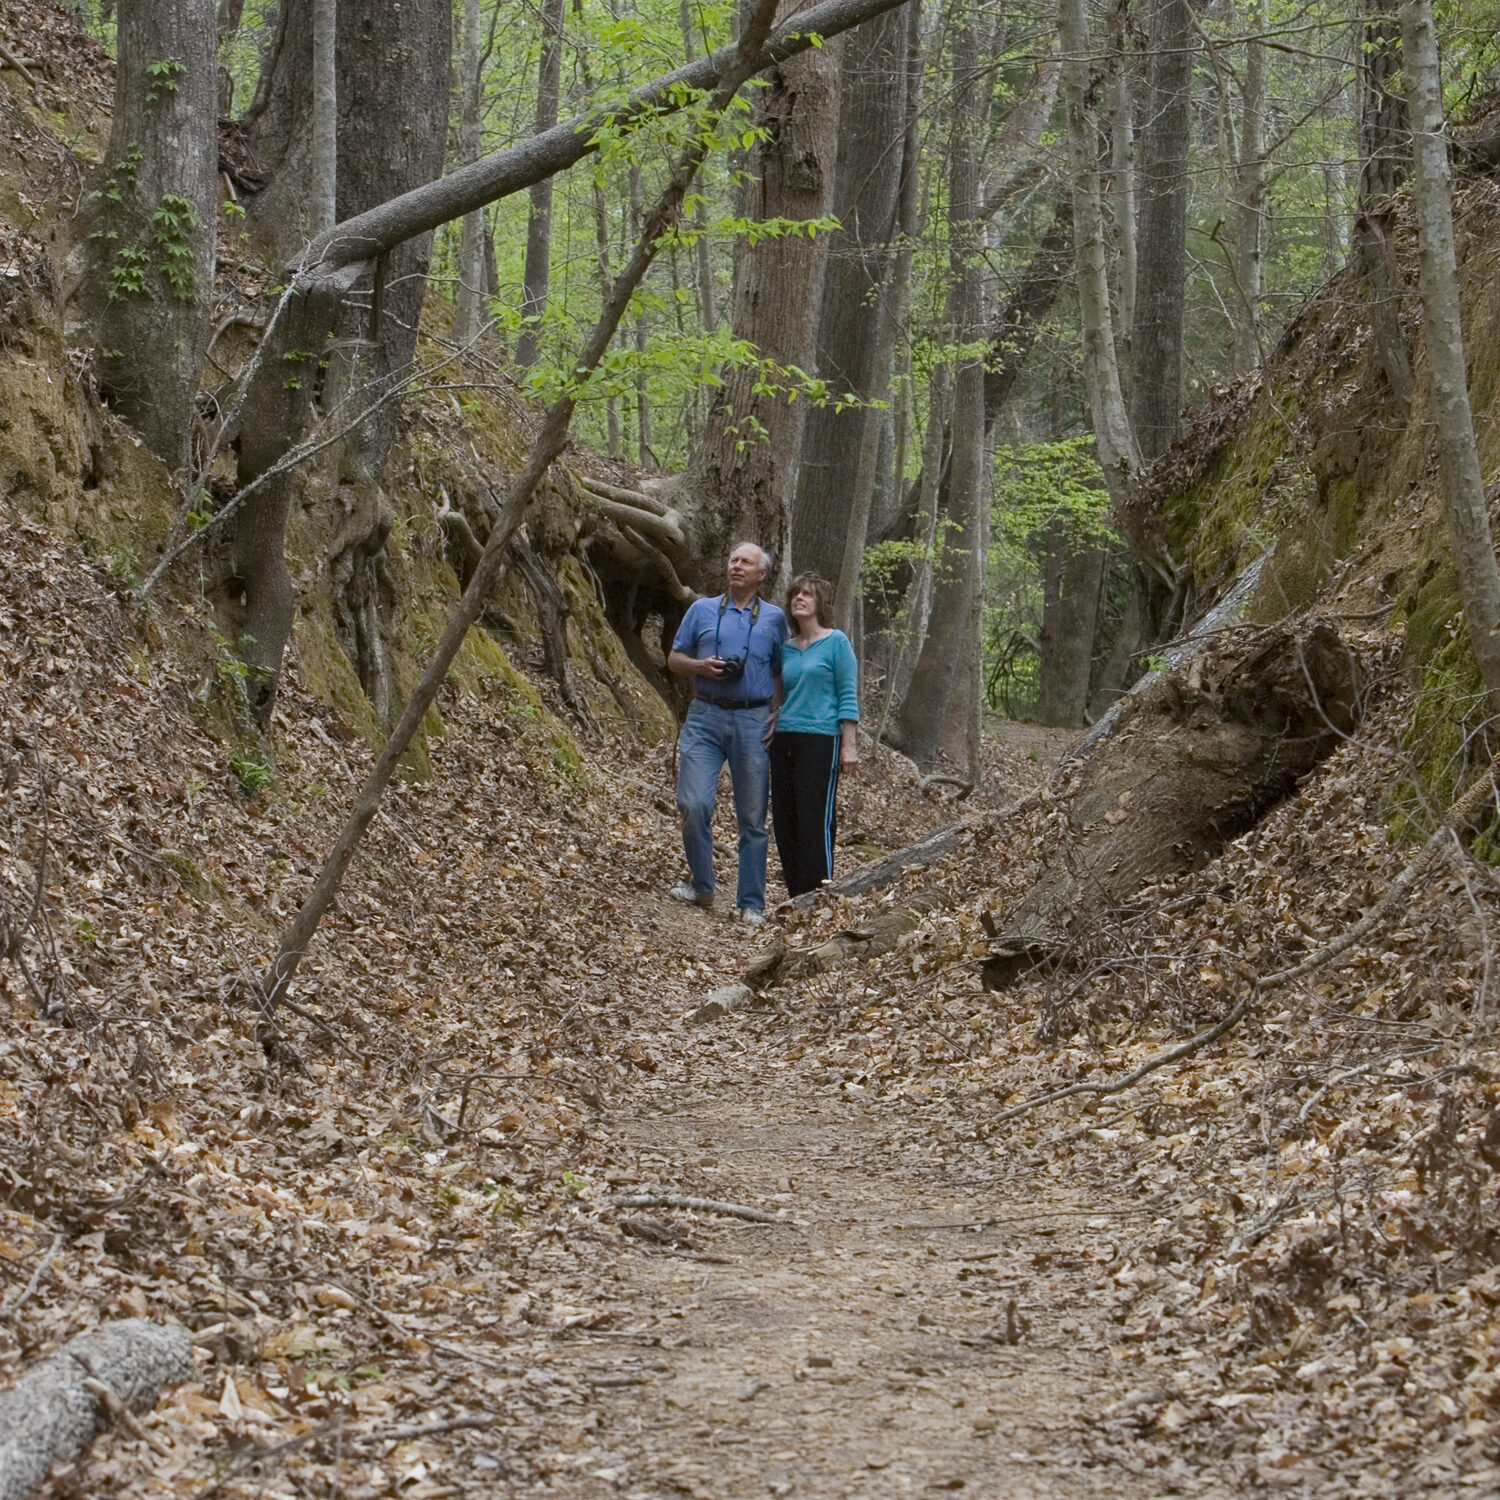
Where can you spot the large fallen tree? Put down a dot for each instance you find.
(1196, 759)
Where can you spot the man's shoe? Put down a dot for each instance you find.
(689, 897)
(752, 916)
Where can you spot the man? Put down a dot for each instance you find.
(729, 647)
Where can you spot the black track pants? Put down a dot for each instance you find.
(804, 784)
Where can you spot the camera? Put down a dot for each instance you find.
(734, 668)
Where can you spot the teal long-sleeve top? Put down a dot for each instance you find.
(819, 685)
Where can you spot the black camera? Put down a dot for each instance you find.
(733, 670)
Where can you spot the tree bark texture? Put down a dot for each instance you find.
(1384, 157)
(1114, 436)
(49, 1415)
(1161, 286)
(852, 353)
(1447, 381)
(945, 698)
(537, 270)
(743, 477)
(323, 195)
(1250, 197)
(1197, 759)
(1122, 189)
(148, 292)
(1072, 572)
(468, 311)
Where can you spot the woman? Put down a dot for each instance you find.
(814, 737)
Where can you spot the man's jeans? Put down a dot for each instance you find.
(710, 737)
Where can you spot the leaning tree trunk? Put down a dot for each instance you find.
(1197, 759)
(851, 355)
(149, 257)
(743, 475)
(1464, 499)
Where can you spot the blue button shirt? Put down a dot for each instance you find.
(716, 627)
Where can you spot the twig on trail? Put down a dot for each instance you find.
(58, 1241)
(441, 1345)
(1051, 1213)
(1461, 815)
(249, 1460)
(1369, 1067)
(423, 1429)
(697, 1205)
(12, 61)
(1119, 1085)
(122, 1414)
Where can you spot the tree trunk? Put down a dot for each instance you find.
(393, 115)
(468, 313)
(148, 286)
(744, 471)
(1156, 339)
(1114, 437)
(945, 699)
(1072, 571)
(50, 1415)
(851, 354)
(323, 185)
(1250, 195)
(703, 264)
(1199, 757)
(1122, 193)
(538, 267)
(1447, 382)
(1384, 152)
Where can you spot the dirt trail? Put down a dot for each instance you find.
(916, 1330)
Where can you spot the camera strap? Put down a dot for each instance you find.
(749, 633)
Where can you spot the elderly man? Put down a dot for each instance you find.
(730, 648)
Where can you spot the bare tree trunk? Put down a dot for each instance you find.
(1250, 195)
(323, 187)
(1123, 207)
(703, 264)
(641, 332)
(851, 353)
(468, 313)
(1447, 380)
(538, 267)
(745, 466)
(1384, 150)
(1156, 339)
(1114, 436)
(147, 290)
(946, 697)
(1071, 575)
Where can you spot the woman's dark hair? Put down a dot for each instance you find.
(822, 591)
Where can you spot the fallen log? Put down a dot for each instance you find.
(1195, 759)
(51, 1414)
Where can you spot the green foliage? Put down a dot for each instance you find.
(127, 276)
(1043, 486)
(172, 223)
(251, 774)
(163, 75)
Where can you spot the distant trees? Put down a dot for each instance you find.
(831, 349)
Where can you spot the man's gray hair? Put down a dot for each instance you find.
(766, 560)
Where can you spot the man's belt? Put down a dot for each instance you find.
(733, 702)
